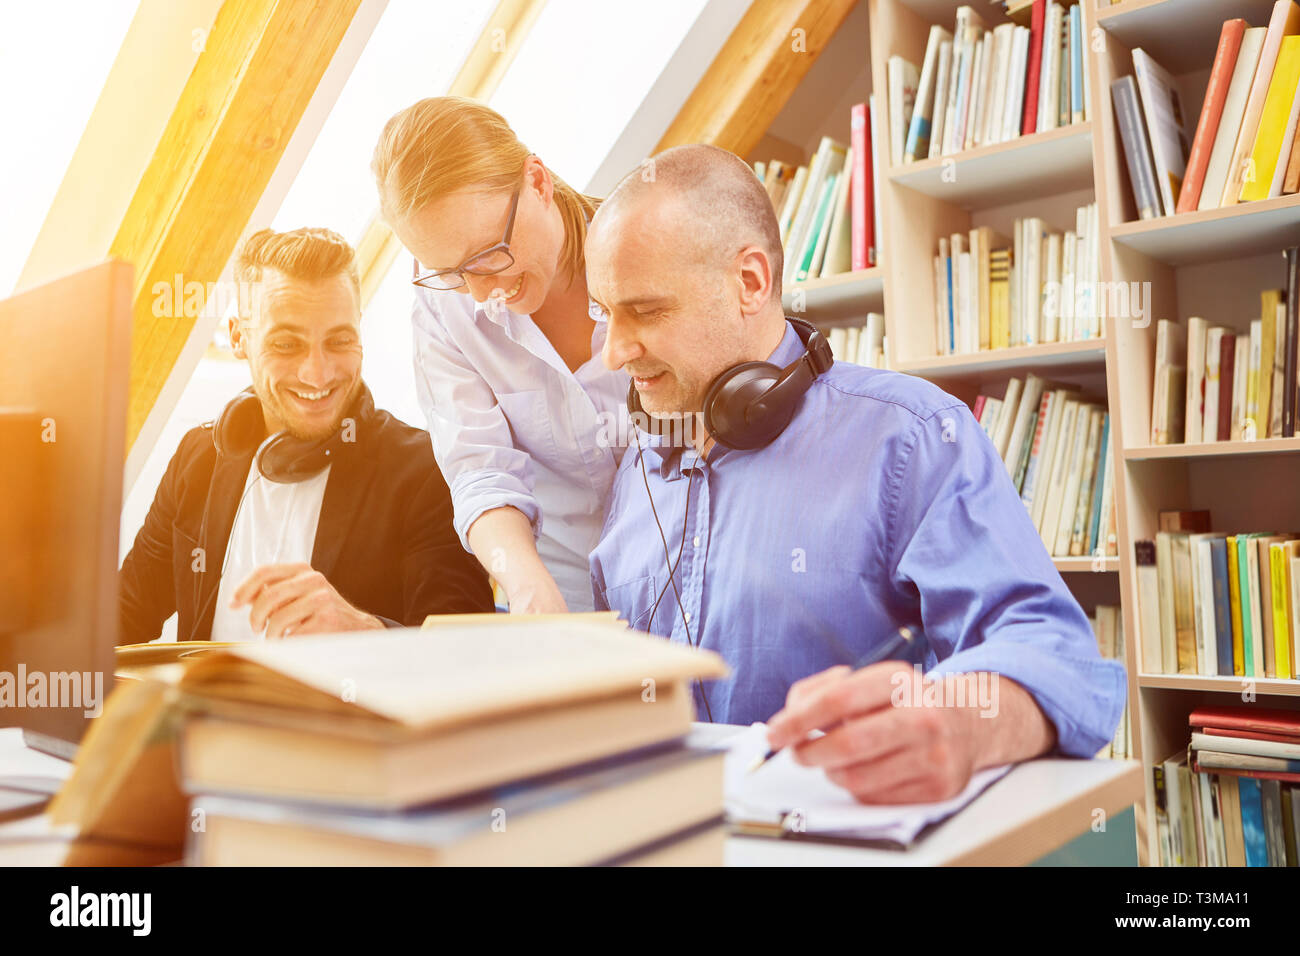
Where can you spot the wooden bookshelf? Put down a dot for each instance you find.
(1212, 263)
(1223, 685)
(1056, 356)
(833, 299)
(1214, 449)
(1087, 565)
(1054, 161)
(1212, 234)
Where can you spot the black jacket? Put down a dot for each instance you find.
(384, 540)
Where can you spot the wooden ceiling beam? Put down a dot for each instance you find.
(259, 67)
(763, 61)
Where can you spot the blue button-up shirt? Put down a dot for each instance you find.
(883, 504)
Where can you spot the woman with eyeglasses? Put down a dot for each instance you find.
(525, 418)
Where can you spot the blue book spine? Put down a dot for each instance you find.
(1103, 462)
(918, 136)
(952, 340)
(1076, 61)
(1252, 822)
(1222, 604)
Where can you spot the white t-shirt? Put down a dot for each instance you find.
(275, 524)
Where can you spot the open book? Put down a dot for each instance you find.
(380, 719)
(783, 798)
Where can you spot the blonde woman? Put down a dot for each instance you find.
(526, 420)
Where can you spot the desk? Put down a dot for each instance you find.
(1038, 807)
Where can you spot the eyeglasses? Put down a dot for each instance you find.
(489, 261)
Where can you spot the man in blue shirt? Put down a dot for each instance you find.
(881, 505)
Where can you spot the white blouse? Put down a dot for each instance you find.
(512, 425)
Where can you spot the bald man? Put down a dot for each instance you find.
(795, 547)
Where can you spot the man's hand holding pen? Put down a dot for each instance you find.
(877, 750)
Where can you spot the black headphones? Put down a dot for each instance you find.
(750, 404)
(282, 458)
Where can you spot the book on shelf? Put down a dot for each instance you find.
(1266, 164)
(979, 86)
(1057, 451)
(1244, 147)
(1230, 796)
(903, 79)
(921, 121)
(1219, 605)
(382, 723)
(1108, 625)
(1165, 126)
(861, 345)
(1211, 383)
(1137, 147)
(1284, 21)
(1224, 135)
(826, 209)
(1216, 94)
(991, 292)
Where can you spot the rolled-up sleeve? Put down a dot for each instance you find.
(991, 598)
(471, 437)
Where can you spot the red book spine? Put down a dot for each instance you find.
(1268, 720)
(1029, 119)
(1227, 358)
(979, 407)
(861, 190)
(1216, 91)
(1250, 735)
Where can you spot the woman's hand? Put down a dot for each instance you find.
(502, 540)
(537, 596)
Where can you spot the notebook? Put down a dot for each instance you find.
(783, 798)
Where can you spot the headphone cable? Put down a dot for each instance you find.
(672, 567)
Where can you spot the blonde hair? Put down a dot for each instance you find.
(447, 143)
(307, 253)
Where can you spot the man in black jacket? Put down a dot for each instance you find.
(302, 509)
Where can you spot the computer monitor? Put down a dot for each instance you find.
(64, 362)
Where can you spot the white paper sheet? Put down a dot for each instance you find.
(802, 797)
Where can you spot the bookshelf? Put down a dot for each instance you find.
(1212, 263)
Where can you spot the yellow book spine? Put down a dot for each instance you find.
(1281, 610)
(1272, 122)
(1234, 597)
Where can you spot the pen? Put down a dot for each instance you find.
(906, 645)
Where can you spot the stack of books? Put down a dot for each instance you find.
(1108, 624)
(978, 86)
(1057, 450)
(861, 345)
(498, 741)
(1232, 797)
(1244, 147)
(1218, 604)
(993, 293)
(827, 209)
(1215, 383)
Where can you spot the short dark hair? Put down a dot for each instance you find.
(732, 209)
